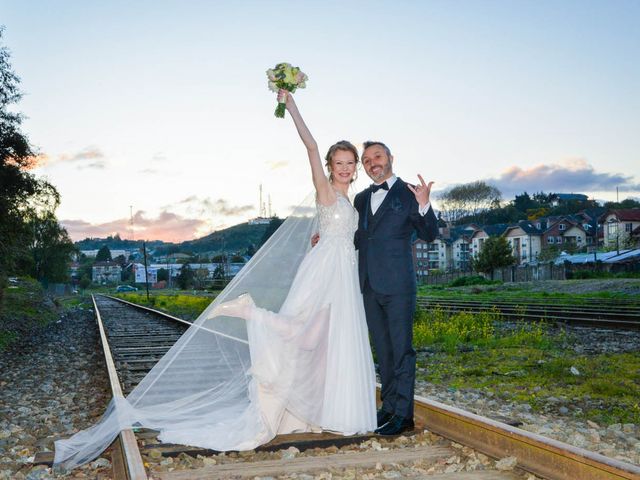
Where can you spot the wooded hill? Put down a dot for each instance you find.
(238, 238)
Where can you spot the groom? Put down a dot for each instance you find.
(390, 212)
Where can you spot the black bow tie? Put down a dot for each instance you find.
(375, 188)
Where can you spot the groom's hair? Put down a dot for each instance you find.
(370, 143)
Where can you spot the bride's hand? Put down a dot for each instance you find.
(285, 97)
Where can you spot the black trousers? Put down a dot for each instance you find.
(390, 321)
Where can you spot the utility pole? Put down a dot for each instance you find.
(131, 221)
(617, 225)
(146, 275)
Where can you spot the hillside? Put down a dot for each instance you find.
(116, 243)
(233, 239)
(237, 238)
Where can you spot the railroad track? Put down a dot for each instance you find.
(591, 313)
(135, 337)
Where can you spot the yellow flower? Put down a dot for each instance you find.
(290, 76)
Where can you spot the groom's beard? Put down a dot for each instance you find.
(383, 172)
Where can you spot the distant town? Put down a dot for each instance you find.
(554, 228)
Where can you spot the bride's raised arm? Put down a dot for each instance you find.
(326, 194)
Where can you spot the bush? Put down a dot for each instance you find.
(452, 329)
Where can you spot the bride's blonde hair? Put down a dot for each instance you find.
(343, 145)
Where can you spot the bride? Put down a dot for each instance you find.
(243, 373)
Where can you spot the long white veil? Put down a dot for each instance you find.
(206, 374)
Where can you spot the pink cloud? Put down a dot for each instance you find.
(168, 226)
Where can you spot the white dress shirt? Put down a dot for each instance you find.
(378, 197)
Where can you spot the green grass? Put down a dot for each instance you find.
(24, 308)
(183, 306)
(505, 292)
(526, 363)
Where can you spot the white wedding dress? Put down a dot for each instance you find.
(231, 384)
(312, 367)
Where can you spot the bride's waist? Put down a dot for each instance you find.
(336, 237)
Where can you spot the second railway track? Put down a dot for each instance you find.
(608, 315)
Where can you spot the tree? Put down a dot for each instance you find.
(624, 204)
(200, 276)
(51, 249)
(469, 200)
(549, 253)
(218, 273)
(185, 277)
(163, 275)
(120, 260)
(524, 202)
(495, 253)
(84, 282)
(18, 188)
(543, 199)
(104, 254)
(505, 214)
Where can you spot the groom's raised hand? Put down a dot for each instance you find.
(421, 191)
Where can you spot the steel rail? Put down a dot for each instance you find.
(549, 300)
(611, 320)
(128, 446)
(545, 457)
(591, 309)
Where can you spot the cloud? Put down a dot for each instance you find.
(192, 217)
(208, 207)
(167, 226)
(572, 175)
(89, 153)
(89, 157)
(276, 164)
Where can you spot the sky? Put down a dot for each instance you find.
(159, 110)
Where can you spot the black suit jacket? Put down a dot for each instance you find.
(384, 239)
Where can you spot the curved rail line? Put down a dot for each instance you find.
(146, 335)
(604, 316)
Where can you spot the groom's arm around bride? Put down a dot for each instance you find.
(390, 211)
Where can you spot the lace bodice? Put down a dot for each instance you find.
(338, 220)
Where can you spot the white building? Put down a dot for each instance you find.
(525, 240)
(619, 227)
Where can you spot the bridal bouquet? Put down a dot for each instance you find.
(283, 75)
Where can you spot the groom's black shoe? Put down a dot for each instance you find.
(383, 417)
(395, 426)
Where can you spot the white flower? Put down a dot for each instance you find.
(271, 74)
(273, 87)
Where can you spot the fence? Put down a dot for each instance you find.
(519, 273)
(539, 272)
(530, 273)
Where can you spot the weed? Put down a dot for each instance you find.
(187, 307)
